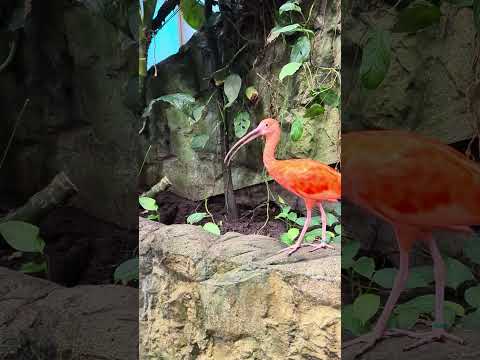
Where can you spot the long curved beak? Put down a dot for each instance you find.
(252, 135)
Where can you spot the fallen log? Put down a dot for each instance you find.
(60, 189)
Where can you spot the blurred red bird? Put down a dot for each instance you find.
(418, 185)
(311, 180)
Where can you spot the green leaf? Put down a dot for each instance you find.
(418, 15)
(406, 319)
(365, 307)
(425, 272)
(196, 217)
(364, 266)
(471, 249)
(148, 203)
(289, 6)
(212, 228)
(461, 3)
(153, 217)
(350, 322)
(338, 229)
(231, 87)
(241, 123)
(314, 221)
(472, 296)
(193, 12)
(457, 273)
(199, 141)
(349, 251)
(198, 112)
(289, 29)
(33, 267)
(127, 271)
(385, 277)
(416, 280)
(289, 70)
(314, 110)
(331, 219)
(180, 101)
(329, 96)
(251, 93)
(472, 320)
(293, 233)
(296, 130)
(22, 236)
(376, 56)
(285, 238)
(292, 216)
(317, 233)
(301, 50)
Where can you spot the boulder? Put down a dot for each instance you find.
(42, 320)
(233, 297)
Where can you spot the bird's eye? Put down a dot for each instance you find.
(266, 125)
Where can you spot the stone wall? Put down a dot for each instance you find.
(77, 63)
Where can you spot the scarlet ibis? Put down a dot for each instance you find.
(311, 180)
(418, 185)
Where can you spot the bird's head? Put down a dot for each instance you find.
(266, 128)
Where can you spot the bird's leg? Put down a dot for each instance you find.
(291, 249)
(323, 244)
(438, 331)
(378, 332)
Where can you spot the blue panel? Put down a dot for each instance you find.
(167, 40)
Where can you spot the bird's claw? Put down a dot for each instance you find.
(290, 250)
(322, 245)
(423, 338)
(428, 337)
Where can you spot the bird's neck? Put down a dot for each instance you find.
(271, 142)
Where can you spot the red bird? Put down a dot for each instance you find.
(418, 185)
(309, 179)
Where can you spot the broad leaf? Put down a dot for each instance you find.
(472, 296)
(148, 203)
(241, 123)
(417, 16)
(289, 69)
(296, 130)
(471, 249)
(212, 228)
(376, 56)
(180, 101)
(301, 50)
(314, 110)
(472, 320)
(293, 233)
(285, 238)
(199, 141)
(329, 96)
(289, 6)
(350, 322)
(457, 273)
(22, 236)
(198, 112)
(349, 251)
(407, 318)
(364, 266)
(196, 217)
(127, 271)
(385, 277)
(231, 87)
(365, 307)
(33, 267)
(193, 12)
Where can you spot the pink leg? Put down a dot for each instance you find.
(398, 286)
(291, 249)
(323, 244)
(438, 327)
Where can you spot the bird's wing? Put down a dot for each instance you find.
(307, 178)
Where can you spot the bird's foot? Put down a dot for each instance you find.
(322, 245)
(369, 340)
(290, 250)
(428, 337)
